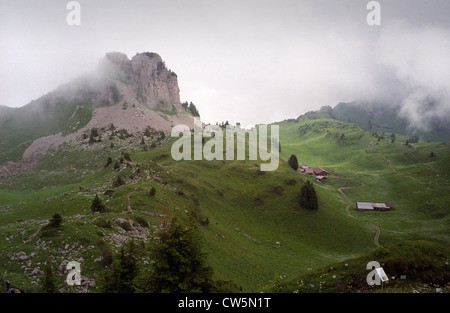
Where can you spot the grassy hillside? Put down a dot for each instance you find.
(378, 117)
(379, 171)
(411, 266)
(251, 224)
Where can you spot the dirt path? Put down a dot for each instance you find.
(347, 210)
(128, 200)
(389, 163)
(32, 236)
(144, 212)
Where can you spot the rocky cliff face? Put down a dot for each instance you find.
(146, 77)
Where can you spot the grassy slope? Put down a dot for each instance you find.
(247, 212)
(415, 183)
(40, 119)
(423, 264)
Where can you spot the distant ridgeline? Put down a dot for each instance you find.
(382, 118)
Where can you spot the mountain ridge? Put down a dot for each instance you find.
(380, 117)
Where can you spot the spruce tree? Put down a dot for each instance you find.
(120, 277)
(179, 264)
(308, 197)
(293, 162)
(49, 280)
(97, 205)
(55, 221)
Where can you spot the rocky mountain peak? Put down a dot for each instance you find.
(146, 77)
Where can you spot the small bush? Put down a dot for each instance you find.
(278, 190)
(55, 221)
(382, 252)
(125, 225)
(291, 182)
(203, 221)
(141, 221)
(97, 205)
(108, 162)
(152, 191)
(127, 157)
(107, 257)
(118, 182)
(103, 223)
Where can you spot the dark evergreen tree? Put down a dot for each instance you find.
(293, 162)
(308, 197)
(392, 138)
(179, 264)
(97, 205)
(48, 284)
(193, 110)
(120, 277)
(91, 138)
(127, 157)
(55, 221)
(118, 182)
(108, 162)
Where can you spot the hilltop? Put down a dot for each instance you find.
(382, 117)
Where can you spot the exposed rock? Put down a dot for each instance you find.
(19, 256)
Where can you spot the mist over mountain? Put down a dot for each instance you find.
(387, 117)
(130, 94)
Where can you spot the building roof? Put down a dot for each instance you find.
(364, 206)
(309, 171)
(318, 170)
(380, 205)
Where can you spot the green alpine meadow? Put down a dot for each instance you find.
(221, 155)
(111, 197)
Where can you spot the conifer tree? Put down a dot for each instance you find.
(293, 162)
(120, 277)
(308, 197)
(49, 279)
(179, 264)
(97, 205)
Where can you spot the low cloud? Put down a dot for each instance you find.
(418, 59)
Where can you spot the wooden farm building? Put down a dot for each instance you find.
(320, 172)
(368, 206)
(321, 179)
(304, 167)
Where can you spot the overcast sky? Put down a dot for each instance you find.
(248, 61)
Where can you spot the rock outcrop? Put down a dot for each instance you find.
(154, 86)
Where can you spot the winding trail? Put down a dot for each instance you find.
(128, 200)
(144, 212)
(347, 210)
(389, 163)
